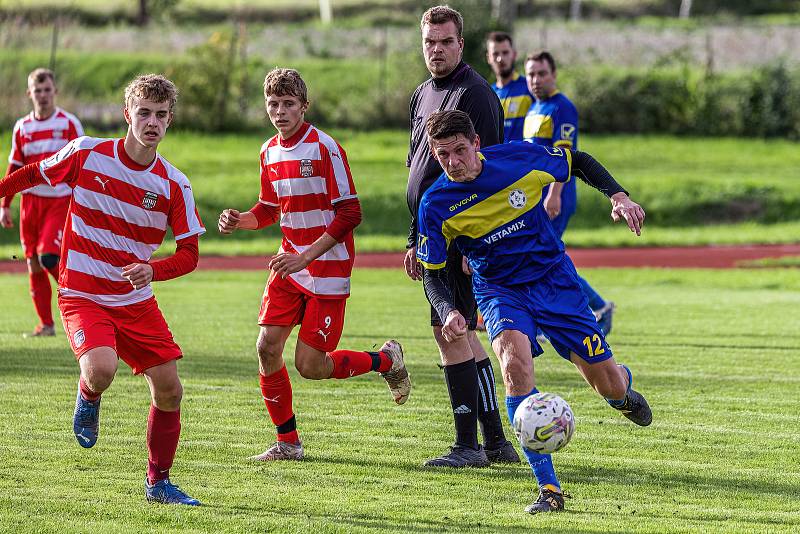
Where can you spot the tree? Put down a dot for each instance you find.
(575, 10)
(685, 9)
(150, 8)
(503, 12)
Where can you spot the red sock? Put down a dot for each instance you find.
(347, 363)
(276, 389)
(41, 293)
(163, 431)
(87, 393)
(385, 362)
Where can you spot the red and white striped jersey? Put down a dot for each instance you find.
(305, 180)
(34, 140)
(119, 215)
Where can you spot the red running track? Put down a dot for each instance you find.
(713, 257)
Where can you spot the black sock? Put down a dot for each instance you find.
(376, 360)
(488, 414)
(462, 385)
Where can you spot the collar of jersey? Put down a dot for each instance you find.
(296, 139)
(127, 161)
(554, 93)
(52, 115)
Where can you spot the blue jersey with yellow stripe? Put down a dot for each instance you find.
(516, 100)
(496, 220)
(552, 122)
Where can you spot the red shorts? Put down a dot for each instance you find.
(137, 332)
(321, 320)
(41, 224)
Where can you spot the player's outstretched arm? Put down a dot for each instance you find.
(21, 179)
(622, 207)
(593, 173)
(258, 217)
(6, 220)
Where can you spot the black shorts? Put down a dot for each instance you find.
(460, 286)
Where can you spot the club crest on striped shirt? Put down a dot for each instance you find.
(149, 200)
(306, 169)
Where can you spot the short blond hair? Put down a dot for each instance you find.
(41, 75)
(153, 87)
(285, 82)
(443, 15)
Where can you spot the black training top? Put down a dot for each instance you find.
(464, 90)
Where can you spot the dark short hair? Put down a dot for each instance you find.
(544, 55)
(442, 124)
(499, 37)
(443, 15)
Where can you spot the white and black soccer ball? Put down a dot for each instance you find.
(544, 423)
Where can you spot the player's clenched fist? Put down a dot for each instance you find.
(455, 327)
(228, 221)
(5, 218)
(138, 274)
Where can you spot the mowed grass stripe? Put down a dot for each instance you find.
(711, 349)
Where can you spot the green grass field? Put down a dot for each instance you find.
(695, 191)
(715, 352)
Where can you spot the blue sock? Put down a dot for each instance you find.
(595, 300)
(619, 403)
(542, 464)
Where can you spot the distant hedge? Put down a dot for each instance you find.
(764, 102)
(220, 94)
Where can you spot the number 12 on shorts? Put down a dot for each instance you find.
(598, 349)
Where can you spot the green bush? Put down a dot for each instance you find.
(681, 100)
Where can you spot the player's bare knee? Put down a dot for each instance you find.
(311, 369)
(269, 347)
(98, 378)
(168, 398)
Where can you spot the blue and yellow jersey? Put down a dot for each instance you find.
(516, 100)
(496, 220)
(552, 122)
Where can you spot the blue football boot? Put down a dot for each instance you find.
(634, 406)
(86, 421)
(166, 492)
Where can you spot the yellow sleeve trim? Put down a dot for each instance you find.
(569, 164)
(433, 266)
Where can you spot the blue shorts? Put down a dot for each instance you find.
(555, 303)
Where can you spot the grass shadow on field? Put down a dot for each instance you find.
(32, 362)
(708, 346)
(678, 481)
(446, 524)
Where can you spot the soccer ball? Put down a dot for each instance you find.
(544, 423)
